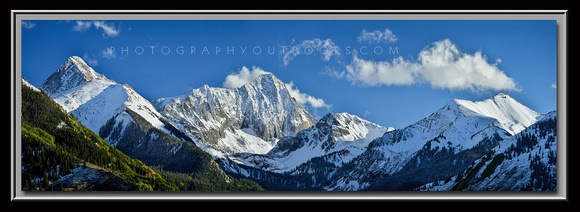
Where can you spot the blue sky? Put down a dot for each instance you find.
(390, 72)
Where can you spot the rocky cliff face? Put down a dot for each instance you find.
(221, 117)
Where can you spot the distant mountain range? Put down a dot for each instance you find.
(260, 132)
(437, 146)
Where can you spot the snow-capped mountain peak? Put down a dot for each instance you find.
(511, 115)
(93, 98)
(83, 67)
(525, 161)
(340, 136)
(70, 74)
(266, 80)
(74, 83)
(222, 118)
(347, 127)
(463, 118)
(337, 137)
(458, 129)
(259, 127)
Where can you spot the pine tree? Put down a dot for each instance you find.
(45, 181)
(33, 186)
(28, 185)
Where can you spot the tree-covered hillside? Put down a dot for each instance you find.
(55, 144)
(59, 153)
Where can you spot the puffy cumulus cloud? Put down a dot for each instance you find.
(245, 76)
(444, 66)
(304, 99)
(326, 49)
(109, 29)
(396, 72)
(377, 37)
(440, 64)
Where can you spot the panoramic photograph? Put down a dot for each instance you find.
(288, 105)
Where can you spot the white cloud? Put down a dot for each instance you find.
(444, 66)
(245, 76)
(109, 29)
(396, 72)
(82, 26)
(89, 60)
(108, 53)
(377, 37)
(326, 48)
(304, 99)
(441, 64)
(28, 24)
(366, 114)
(554, 85)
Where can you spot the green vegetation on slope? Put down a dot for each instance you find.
(54, 143)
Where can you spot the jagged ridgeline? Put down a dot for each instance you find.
(258, 131)
(59, 153)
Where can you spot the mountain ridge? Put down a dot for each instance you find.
(131, 124)
(60, 152)
(532, 151)
(335, 132)
(258, 129)
(505, 109)
(70, 74)
(458, 131)
(220, 117)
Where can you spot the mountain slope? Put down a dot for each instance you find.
(246, 119)
(437, 146)
(526, 161)
(130, 123)
(258, 131)
(93, 98)
(511, 115)
(115, 101)
(335, 132)
(57, 148)
(306, 160)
